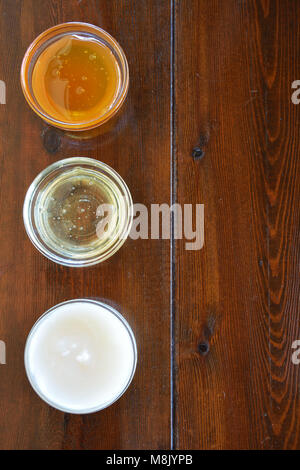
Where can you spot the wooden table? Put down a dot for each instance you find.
(214, 327)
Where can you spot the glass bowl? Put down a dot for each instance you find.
(49, 340)
(78, 212)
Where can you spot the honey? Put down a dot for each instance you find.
(76, 79)
(78, 211)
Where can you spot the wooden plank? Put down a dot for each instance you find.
(136, 279)
(236, 302)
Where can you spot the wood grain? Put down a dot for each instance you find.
(236, 304)
(136, 279)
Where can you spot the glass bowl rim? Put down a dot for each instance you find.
(50, 34)
(43, 247)
(32, 331)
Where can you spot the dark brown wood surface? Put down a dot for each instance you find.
(214, 327)
(236, 301)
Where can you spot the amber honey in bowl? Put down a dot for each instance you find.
(78, 212)
(75, 76)
(76, 79)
